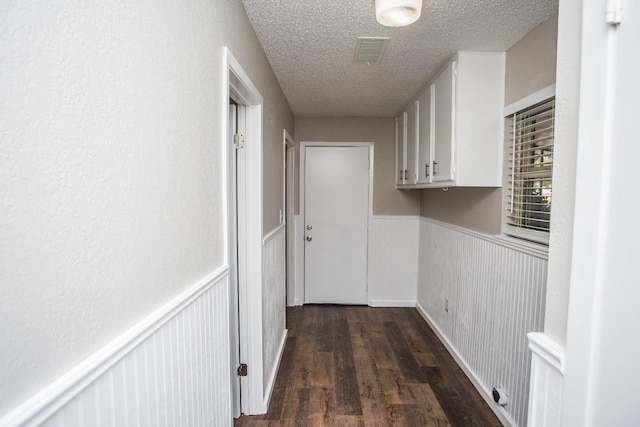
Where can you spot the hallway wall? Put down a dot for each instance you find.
(482, 296)
(111, 170)
(496, 290)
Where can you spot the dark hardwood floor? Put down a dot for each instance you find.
(364, 366)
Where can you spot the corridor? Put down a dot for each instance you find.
(365, 366)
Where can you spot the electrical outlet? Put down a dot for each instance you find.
(446, 305)
(500, 396)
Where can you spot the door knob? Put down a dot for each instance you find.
(309, 227)
(309, 238)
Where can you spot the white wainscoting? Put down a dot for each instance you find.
(170, 369)
(496, 295)
(393, 261)
(273, 307)
(298, 297)
(291, 261)
(547, 379)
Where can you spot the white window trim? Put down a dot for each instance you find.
(527, 238)
(530, 100)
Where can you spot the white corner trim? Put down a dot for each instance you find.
(274, 372)
(273, 233)
(502, 416)
(547, 349)
(528, 101)
(534, 250)
(54, 396)
(392, 303)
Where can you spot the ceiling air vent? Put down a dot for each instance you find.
(369, 50)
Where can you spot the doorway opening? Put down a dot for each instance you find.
(243, 154)
(289, 208)
(232, 167)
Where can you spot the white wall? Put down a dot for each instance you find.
(111, 169)
(602, 369)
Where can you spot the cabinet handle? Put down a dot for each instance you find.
(426, 170)
(435, 172)
(401, 172)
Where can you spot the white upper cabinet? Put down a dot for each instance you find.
(412, 143)
(425, 136)
(459, 125)
(406, 145)
(444, 91)
(401, 146)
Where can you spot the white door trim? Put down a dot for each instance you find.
(238, 85)
(288, 205)
(232, 249)
(303, 148)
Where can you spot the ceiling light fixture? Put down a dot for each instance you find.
(398, 13)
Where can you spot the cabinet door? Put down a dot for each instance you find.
(401, 148)
(425, 136)
(444, 116)
(412, 142)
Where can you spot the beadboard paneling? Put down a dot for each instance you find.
(547, 381)
(495, 296)
(170, 369)
(393, 261)
(273, 306)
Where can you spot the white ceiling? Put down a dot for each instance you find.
(311, 43)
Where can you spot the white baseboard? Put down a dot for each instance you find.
(392, 303)
(503, 417)
(274, 371)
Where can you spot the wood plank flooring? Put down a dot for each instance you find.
(365, 366)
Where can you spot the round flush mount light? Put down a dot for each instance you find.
(398, 13)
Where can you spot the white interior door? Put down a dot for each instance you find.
(336, 223)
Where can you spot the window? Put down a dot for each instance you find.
(529, 171)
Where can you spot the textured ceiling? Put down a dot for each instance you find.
(311, 43)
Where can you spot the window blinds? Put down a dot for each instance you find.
(530, 168)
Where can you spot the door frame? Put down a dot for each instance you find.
(288, 204)
(234, 121)
(238, 85)
(300, 291)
